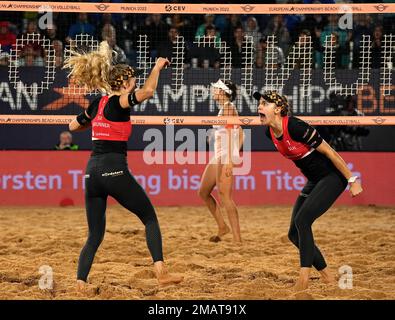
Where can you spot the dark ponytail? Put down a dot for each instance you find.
(233, 88)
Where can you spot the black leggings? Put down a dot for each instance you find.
(108, 175)
(314, 200)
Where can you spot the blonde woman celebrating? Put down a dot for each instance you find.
(107, 172)
(219, 171)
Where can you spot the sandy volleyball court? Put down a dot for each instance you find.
(263, 267)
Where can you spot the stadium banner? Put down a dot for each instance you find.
(195, 98)
(53, 178)
(190, 8)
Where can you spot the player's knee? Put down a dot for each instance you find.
(301, 223)
(225, 199)
(224, 195)
(148, 216)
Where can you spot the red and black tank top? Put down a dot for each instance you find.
(104, 129)
(288, 147)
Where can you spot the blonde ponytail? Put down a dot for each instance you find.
(91, 70)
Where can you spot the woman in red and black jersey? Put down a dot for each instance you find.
(326, 172)
(107, 172)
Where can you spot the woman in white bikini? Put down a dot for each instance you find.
(219, 171)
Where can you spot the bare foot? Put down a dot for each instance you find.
(168, 278)
(301, 285)
(81, 286)
(87, 289)
(164, 277)
(303, 282)
(237, 240)
(221, 233)
(327, 277)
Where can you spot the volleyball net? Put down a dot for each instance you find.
(335, 63)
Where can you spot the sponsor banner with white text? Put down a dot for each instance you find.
(52, 178)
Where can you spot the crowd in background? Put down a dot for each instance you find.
(122, 33)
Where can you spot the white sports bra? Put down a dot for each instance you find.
(220, 114)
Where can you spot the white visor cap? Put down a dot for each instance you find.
(220, 85)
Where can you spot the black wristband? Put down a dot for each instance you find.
(132, 100)
(83, 119)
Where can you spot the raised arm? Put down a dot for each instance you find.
(147, 91)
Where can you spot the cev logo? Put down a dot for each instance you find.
(169, 8)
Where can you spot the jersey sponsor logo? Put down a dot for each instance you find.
(290, 148)
(112, 174)
(100, 124)
(101, 134)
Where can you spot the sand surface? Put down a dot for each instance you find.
(263, 267)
